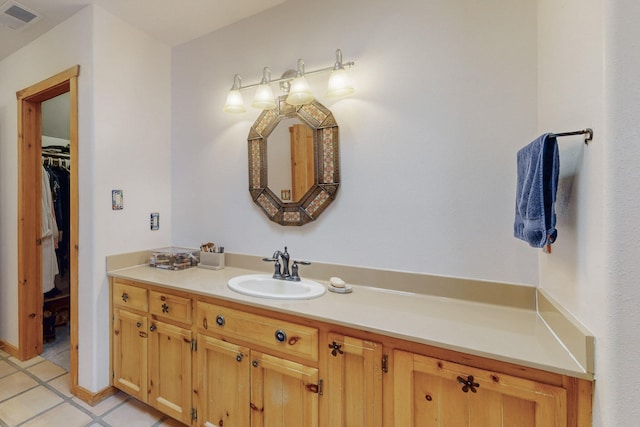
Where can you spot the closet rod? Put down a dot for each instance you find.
(56, 155)
(588, 134)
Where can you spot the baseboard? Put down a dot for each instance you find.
(10, 349)
(90, 397)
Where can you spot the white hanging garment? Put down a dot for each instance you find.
(49, 236)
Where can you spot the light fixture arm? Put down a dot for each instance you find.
(288, 78)
(237, 82)
(266, 76)
(338, 65)
(300, 71)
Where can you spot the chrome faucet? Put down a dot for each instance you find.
(281, 271)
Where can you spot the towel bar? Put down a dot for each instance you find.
(588, 134)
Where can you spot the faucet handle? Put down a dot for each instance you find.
(294, 269)
(276, 272)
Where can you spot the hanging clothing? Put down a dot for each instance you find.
(59, 181)
(49, 236)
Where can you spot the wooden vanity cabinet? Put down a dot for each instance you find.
(151, 347)
(222, 387)
(353, 386)
(170, 366)
(129, 353)
(430, 392)
(207, 362)
(243, 384)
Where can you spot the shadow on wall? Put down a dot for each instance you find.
(571, 158)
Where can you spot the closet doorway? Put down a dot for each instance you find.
(31, 236)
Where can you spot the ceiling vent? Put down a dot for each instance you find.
(16, 16)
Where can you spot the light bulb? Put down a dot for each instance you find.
(300, 92)
(234, 103)
(339, 84)
(264, 99)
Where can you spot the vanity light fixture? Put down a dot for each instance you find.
(264, 98)
(339, 83)
(300, 92)
(234, 103)
(292, 82)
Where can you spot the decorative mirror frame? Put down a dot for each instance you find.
(326, 159)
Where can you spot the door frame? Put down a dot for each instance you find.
(30, 299)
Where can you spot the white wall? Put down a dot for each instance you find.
(618, 344)
(39, 60)
(589, 66)
(130, 153)
(124, 143)
(446, 96)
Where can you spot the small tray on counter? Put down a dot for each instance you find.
(174, 258)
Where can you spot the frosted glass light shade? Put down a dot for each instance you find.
(234, 103)
(339, 84)
(300, 92)
(264, 99)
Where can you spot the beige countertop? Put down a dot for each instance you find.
(509, 334)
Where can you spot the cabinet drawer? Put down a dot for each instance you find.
(125, 295)
(291, 338)
(170, 306)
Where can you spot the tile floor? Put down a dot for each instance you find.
(36, 393)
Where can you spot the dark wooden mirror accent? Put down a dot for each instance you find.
(326, 163)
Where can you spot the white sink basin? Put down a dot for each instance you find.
(265, 286)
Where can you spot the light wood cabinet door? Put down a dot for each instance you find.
(283, 393)
(223, 383)
(170, 370)
(130, 353)
(353, 382)
(431, 392)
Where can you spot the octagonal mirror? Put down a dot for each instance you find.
(294, 169)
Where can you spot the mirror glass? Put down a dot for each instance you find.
(294, 169)
(290, 163)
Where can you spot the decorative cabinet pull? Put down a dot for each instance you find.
(255, 364)
(152, 328)
(139, 324)
(239, 357)
(163, 298)
(125, 296)
(293, 340)
(336, 348)
(468, 384)
(220, 320)
(165, 308)
(281, 336)
(205, 324)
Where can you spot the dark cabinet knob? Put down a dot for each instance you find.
(153, 328)
(239, 357)
(165, 308)
(139, 324)
(281, 336)
(220, 320)
(125, 296)
(255, 364)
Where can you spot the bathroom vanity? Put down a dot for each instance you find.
(186, 344)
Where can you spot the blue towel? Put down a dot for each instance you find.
(538, 167)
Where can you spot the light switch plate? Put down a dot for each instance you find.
(155, 220)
